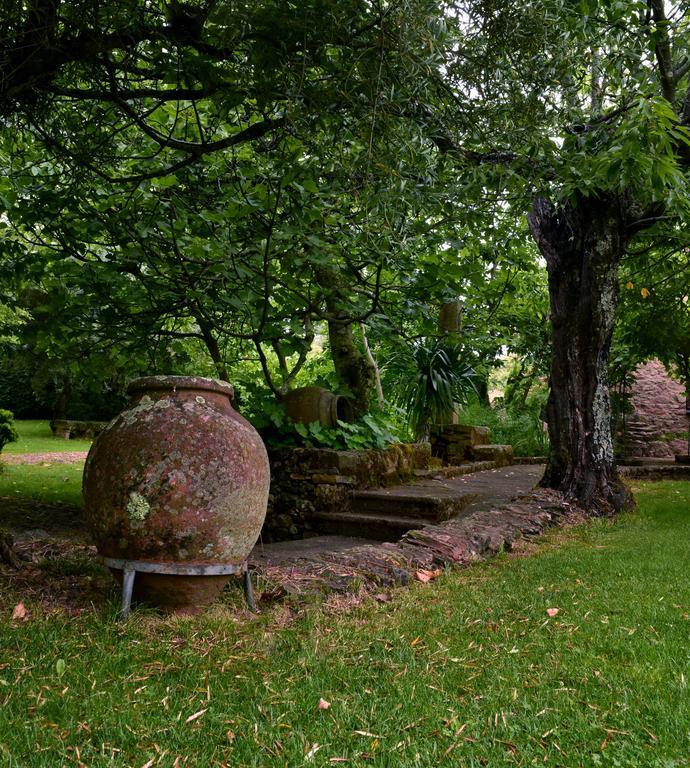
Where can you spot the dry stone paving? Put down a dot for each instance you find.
(386, 514)
(420, 554)
(337, 562)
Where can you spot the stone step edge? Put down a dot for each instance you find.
(456, 470)
(397, 521)
(655, 472)
(429, 509)
(422, 494)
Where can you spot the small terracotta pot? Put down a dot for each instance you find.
(178, 477)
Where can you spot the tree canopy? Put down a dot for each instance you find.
(251, 177)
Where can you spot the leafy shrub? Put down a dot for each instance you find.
(8, 432)
(371, 431)
(523, 429)
(374, 430)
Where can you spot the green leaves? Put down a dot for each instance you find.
(430, 378)
(8, 432)
(372, 431)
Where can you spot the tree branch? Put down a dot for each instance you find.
(662, 50)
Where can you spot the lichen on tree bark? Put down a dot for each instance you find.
(582, 243)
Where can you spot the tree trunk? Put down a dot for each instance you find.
(582, 244)
(213, 349)
(62, 400)
(372, 362)
(351, 365)
(482, 386)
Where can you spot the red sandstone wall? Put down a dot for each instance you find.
(659, 409)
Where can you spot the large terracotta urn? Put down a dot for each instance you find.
(178, 483)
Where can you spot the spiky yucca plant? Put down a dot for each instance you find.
(431, 378)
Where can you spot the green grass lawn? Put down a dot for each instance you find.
(49, 484)
(35, 437)
(469, 670)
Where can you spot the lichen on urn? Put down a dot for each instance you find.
(137, 507)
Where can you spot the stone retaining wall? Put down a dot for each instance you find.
(304, 480)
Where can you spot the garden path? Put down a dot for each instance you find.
(52, 457)
(492, 488)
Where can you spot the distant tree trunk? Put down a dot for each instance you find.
(372, 361)
(449, 327)
(62, 400)
(214, 350)
(582, 244)
(482, 387)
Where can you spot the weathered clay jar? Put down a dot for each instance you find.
(308, 404)
(179, 476)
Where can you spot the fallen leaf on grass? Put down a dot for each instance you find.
(425, 576)
(148, 764)
(323, 704)
(196, 715)
(552, 611)
(19, 613)
(313, 750)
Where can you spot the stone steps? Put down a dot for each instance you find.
(381, 527)
(431, 501)
(387, 513)
(456, 470)
(500, 454)
(656, 472)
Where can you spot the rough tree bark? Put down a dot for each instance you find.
(372, 362)
(582, 243)
(351, 364)
(213, 349)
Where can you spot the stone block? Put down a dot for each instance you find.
(71, 428)
(333, 479)
(501, 454)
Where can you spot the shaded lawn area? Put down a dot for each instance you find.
(47, 483)
(35, 437)
(467, 671)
